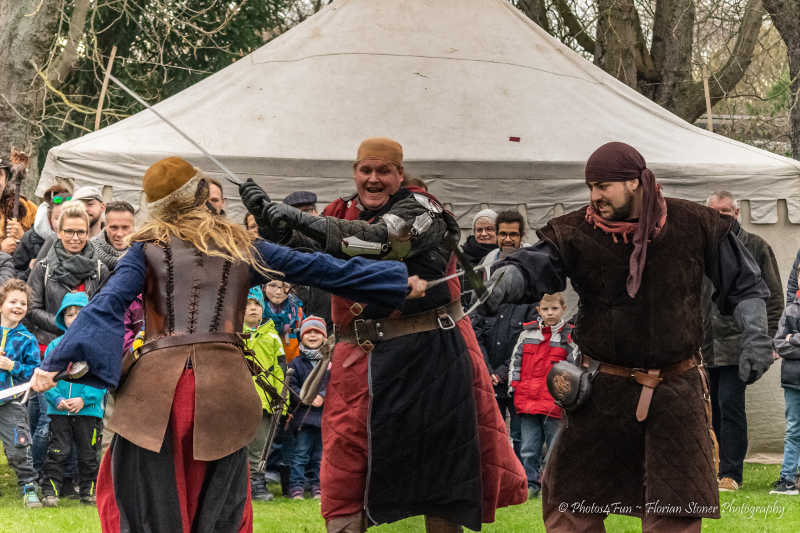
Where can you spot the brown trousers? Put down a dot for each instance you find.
(357, 523)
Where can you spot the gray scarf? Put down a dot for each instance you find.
(105, 251)
(73, 269)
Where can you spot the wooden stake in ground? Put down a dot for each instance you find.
(105, 88)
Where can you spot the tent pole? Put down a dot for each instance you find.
(105, 88)
(710, 121)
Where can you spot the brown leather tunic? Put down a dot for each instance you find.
(187, 292)
(603, 455)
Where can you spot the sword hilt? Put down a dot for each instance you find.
(74, 370)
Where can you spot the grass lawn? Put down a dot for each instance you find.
(751, 509)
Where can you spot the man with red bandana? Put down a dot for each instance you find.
(410, 424)
(641, 443)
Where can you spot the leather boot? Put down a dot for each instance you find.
(354, 523)
(435, 524)
(258, 484)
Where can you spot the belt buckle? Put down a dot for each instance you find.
(444, 319)
(634, 371)
(366, 344)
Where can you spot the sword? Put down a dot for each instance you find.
(439, 281)
(277, 409)
(228, 174)
(475, 281)
(73, 371)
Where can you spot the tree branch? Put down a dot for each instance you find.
(61, 66)
(574, 26)
(536, 10)
(725, 79)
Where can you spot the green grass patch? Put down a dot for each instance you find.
(750, 510)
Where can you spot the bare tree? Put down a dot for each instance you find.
(785, 15)
(651, 46)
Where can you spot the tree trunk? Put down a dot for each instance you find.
(673, 40)
(616, 40)
(536, 11)
(27, 28)
(785, 15)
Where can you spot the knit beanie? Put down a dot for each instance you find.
(491, 214)
(313, 322)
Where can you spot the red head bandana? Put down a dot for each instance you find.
(616, 161)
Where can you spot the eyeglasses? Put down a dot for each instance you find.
(507, 235)
(485, 230)
(285, 287)
(60, 199)
(74, 233)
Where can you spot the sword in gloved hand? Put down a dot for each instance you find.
(474, 279)
(228, 174)
(73, 371)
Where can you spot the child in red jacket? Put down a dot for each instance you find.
(542, 343)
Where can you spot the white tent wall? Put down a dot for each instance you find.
(488, 106)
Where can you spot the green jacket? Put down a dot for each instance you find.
(265, 342)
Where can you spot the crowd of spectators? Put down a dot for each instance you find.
(56, 258)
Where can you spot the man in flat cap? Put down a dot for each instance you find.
(641, 442)
(305, 201)
(186, 408)
(410, 424)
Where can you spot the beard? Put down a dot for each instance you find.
(622, 212)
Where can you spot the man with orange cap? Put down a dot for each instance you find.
(641, 442)
(410, 424)
(185, 408)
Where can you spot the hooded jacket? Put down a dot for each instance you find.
(538, 348)
(92, 397)
(268, 352)
(20, 345)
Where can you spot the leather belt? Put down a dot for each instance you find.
(366, 333)
(193, 338)
(649, 379)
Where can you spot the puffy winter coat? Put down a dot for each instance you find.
(537, 349)
(789, 350)
(304, 415)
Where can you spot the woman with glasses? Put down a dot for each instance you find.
(70, 265)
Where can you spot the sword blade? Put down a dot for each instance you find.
(13, 391)
(228, 174)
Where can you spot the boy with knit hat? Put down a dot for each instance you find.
(306, 420)
(267, 350)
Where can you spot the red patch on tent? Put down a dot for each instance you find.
(514, 139)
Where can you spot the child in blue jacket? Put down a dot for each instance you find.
(76, 417)
(19, 356)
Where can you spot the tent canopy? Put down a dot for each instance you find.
(489, 108)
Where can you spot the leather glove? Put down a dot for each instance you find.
(756, 355)
(284, 217)
(254, 198)
(509, 288)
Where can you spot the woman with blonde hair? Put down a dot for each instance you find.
(186, 408)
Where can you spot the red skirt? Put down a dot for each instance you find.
(169, 491)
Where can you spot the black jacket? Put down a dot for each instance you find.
(723, 338)
(789, 350)
(6, 267)
(47, 294)
(27, 249)
(304, 415)
(497, 335)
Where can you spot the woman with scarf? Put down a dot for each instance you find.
(70, 265)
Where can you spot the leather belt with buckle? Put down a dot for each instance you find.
(365, 332)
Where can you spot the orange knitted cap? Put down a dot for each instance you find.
(381, 148)
(166, 177)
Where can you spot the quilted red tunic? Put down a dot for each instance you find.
(355, 441)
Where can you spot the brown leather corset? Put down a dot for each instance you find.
(189, 292)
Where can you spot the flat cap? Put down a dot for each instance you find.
(300, 198)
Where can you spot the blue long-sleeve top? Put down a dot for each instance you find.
(22, 348)
(97, 333)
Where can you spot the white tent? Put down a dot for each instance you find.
(489, 108)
